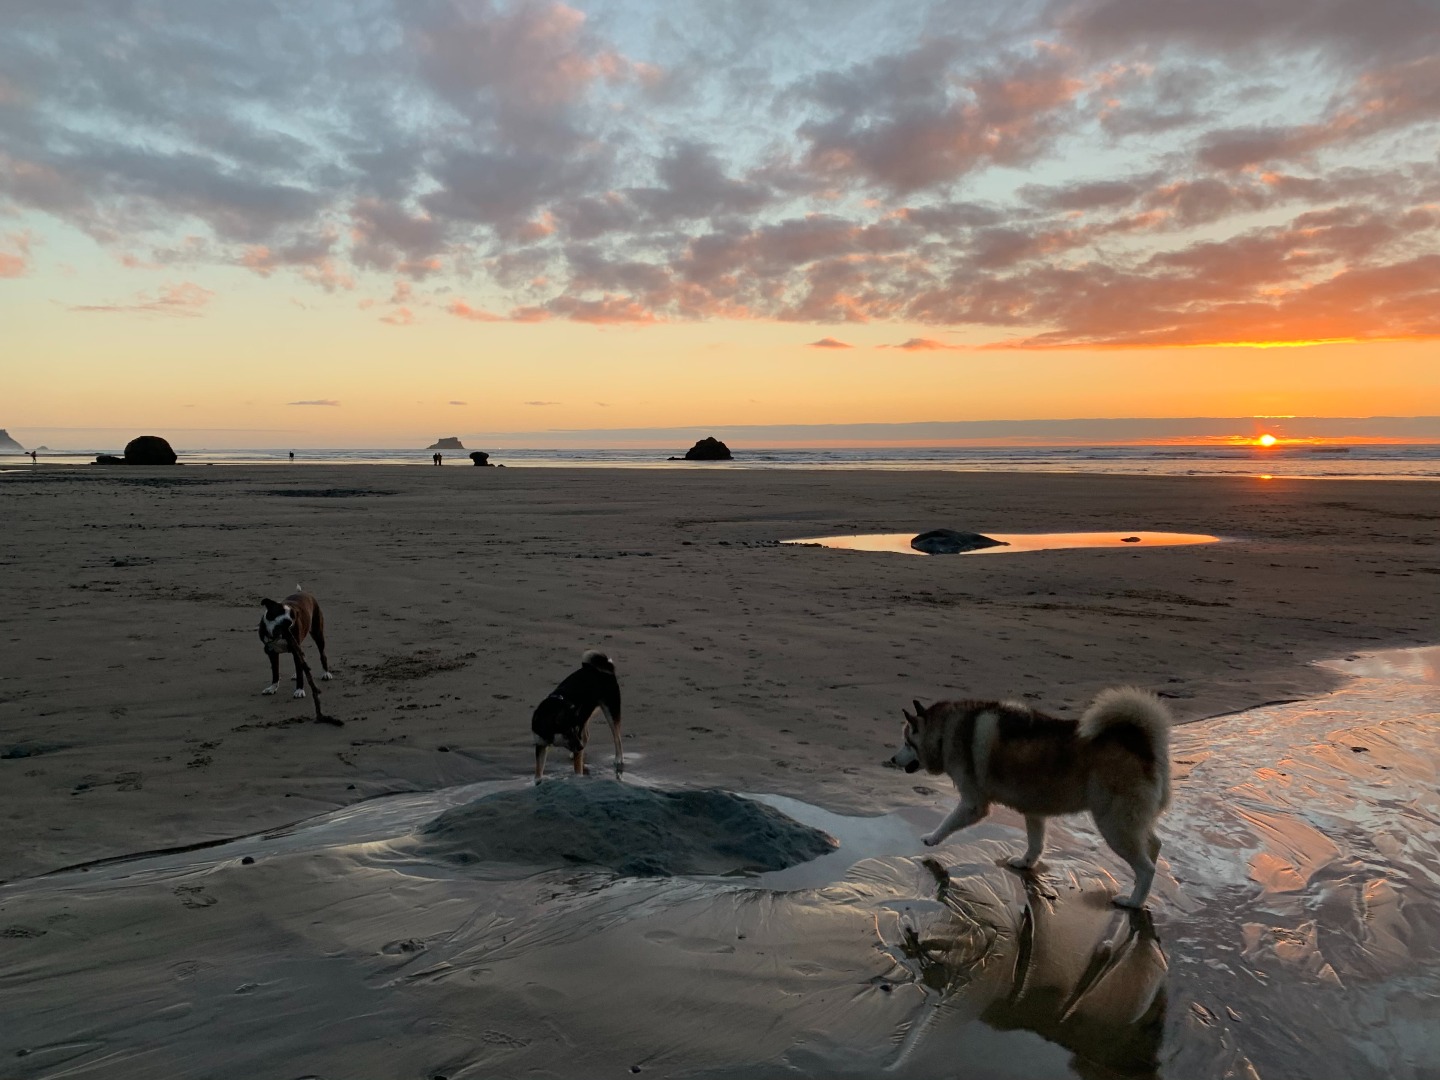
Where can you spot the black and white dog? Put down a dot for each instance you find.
(297, 617)
(563, 718)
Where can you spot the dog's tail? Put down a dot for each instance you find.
(1142, 712)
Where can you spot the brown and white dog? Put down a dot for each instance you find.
(299, 614)
(1114, 762)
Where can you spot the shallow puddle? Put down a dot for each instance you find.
(899, 543)
(1294, 931)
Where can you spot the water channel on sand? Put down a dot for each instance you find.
(1294, 931)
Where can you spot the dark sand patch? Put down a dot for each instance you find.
(30, 749)
(323, 493)
(635, 831)
(416, 665)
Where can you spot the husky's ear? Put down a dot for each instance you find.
(910, 720)
(919, 709)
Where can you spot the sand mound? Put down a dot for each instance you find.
(635, 831)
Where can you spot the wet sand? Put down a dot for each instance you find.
(1295, 931)
(130, 721)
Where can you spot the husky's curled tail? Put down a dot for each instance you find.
(1141, 712)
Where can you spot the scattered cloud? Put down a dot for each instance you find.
(540, 403)
(317, 401)
(602, 311)
(461, 309)
(399, 317)
(185, 299)
(16, 261)
(459, 403)
(829, 343)
(920, 344)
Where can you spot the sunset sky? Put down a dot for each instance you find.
(266, 223)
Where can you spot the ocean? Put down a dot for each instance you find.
(1361, 461)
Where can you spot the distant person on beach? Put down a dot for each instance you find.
(437, 458)
(292, 455)
(34, 457)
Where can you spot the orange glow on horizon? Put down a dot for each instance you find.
(1296, 344)
(1267, 440)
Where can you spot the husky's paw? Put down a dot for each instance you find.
(271, 688)
(299, 693)
(325, 675)
(1021, 862)
(931, 840)
(1129, 903)
(619, 769)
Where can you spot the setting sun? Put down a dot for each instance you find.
(1265, 440)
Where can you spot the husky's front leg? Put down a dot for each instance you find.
(1035, 843)
(964, 814)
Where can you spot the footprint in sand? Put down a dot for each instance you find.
(502, 1038)
(688, 944)
(195, 896)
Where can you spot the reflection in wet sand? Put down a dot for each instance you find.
(1296, 932)
(1083, 975)
(899, 543)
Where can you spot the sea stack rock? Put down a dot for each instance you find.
(9, 445)
(149, 450)
(479, 457)
(451, 443)
(708, 449)
(950, 542)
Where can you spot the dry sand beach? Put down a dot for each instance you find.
(131, 722)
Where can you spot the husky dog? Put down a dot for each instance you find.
(563, 718)
(295, 618)
(1114, 762)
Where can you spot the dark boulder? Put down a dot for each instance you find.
(708, 449)
(950, 542)
(452, 443)
(479, 457)
(146, 450)
(149, 450)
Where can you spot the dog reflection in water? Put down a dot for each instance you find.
(1069, 967)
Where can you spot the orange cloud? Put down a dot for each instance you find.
(15, 263)
(608, 310)
(185, 299)
(829, 343)
(920, 344)
(460, 309)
